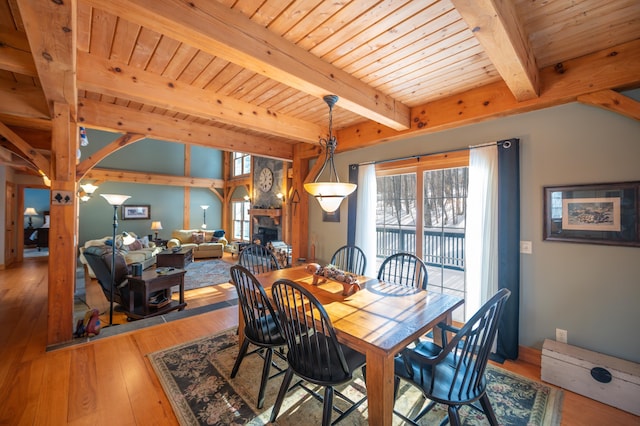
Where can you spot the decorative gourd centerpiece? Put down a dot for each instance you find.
(349, 281)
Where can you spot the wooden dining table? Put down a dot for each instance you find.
(379, 321)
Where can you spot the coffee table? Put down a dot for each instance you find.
(150, 282)
(176, 259)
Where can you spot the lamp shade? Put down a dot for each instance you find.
(329, 194)
(156, 225)
(127, 238)
(89, 188)
(30, 211)
(115, 199)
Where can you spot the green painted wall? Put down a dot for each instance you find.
(96, 215)
(590, 290)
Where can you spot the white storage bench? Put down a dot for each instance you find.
(601, 377)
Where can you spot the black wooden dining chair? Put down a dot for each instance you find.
(405, 269)
(258, 259)
(261, 326)
(454, 375)
(350, 259)
(314, 353)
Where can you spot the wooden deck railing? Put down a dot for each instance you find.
(444, 248)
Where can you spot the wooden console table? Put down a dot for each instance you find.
(150, 282)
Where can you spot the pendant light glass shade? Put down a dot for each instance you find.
(329, 193)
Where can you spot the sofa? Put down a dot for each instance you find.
(140, 251)
(203, 243)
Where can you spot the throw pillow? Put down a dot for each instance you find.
(145, 242)
(197, 237)
(136, 245)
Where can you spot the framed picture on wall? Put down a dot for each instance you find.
(136, 212)
(605, 213)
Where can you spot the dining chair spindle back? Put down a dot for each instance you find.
(260, 325)
(258, 259)
(405, 269)
(350, 259)
(314, 353)
(454, 374)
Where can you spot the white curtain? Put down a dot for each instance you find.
(366, 229)
(481, 239)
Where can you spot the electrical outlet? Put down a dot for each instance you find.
(561, 335)
(526, 247)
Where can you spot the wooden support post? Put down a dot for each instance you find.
(62, 241)
(186, 208)
(299, 206)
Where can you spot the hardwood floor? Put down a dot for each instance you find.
(110, 381)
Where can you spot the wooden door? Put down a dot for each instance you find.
(10, 237)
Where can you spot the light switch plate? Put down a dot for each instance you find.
(526, 247)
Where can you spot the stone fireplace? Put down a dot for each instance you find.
(266, 207)
(266, 225)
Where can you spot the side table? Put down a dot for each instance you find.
(150, 282)
(160, 242)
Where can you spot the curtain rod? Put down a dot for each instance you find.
(506, 143)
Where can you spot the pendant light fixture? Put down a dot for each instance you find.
(329, 193)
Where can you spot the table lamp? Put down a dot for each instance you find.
(156, 225)
(30, 211)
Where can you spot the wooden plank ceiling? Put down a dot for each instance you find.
(233, 74)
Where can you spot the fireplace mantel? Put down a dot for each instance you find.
(272, 213)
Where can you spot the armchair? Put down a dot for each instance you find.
(99, 259)
(454, 374)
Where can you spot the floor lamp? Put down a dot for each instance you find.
(115, 200)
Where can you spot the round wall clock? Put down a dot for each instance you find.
(265, 180)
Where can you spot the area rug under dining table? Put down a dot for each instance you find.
(196, 379)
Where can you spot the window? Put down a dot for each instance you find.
(421, 209)
(240, 220)
(241, 164)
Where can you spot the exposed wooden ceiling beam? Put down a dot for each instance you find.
(22, 100)
(496, 26)
(613, 101)
(38, 139)
(152, 178)
(123, 81)
(618, 66)
(15, 53)
(25, 150)
(30, 122)
(119, 119)
(228, 34)
(51, 30)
